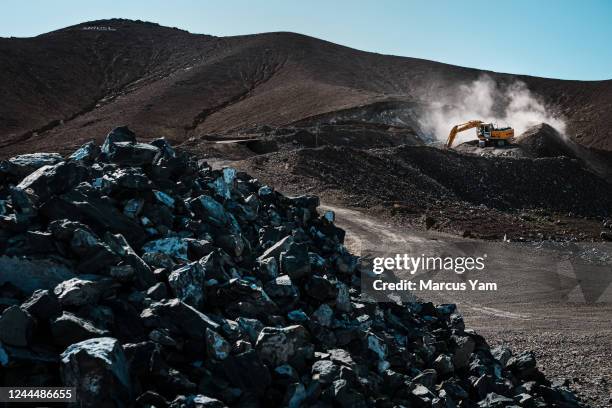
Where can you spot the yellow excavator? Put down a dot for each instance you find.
(488, 134)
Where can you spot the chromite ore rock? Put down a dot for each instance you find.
(143, 277)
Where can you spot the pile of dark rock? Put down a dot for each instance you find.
(143, 277)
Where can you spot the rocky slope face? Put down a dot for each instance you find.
(61, 88)
(484, 196)
(142, 277)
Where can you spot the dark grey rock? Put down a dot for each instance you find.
(99, 212)
(346, 396)
(42, 305)
(123, 179)
(443, 365)
(208, 209)
(464, 346)
(276, 345)
(494, 400)
(285, 374)
(118, 134)
(24, 164)
(247, 371)
(427, 378)
(187, 284)
(122, 273)
(321, 288)
(267, 269)
(275, 250)
(157, 291)
(502, 354)
(174, 247)
(178, 316)
(87, 153)
(98, 369)
(151, 398)
(132, 153)
(523, 365)
(606, 235)
(282, 291)
(16, 326)
(295, 261)
(94, 255)
(30, 275)
(295, 394)
(251, 327)
(143, 273)
(216, 346)
(80, 291)
(325, 371)
(54, 179)
(324, 315)
(69, 328)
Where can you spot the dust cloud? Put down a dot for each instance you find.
(483, 99)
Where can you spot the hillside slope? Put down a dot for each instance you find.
(65, 87)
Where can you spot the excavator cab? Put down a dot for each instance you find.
(488, 134)
(484, 130)
(484, 133)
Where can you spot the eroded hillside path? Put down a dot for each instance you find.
(547, 301)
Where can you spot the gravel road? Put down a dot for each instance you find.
(547, 300)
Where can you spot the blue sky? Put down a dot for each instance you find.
(559, 39)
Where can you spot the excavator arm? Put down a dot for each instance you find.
(460, 128)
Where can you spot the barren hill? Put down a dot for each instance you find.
(62, 88)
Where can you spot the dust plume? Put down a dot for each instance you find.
(483, 99)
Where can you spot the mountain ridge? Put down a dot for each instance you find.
(61, 89)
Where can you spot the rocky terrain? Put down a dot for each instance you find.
(141, 276)
(170, 280)
(520, 193)
(62, 88)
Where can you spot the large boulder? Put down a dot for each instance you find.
(16, 326)
(69, 328)
(42, 305)
(277, 345)
(98, 212)
(178, 317)
(54, 179)
(85, 290)
(247, 371)
(295, 261)
(87, 153)
(32, 274)
(98, 369)
(187, 284)
(118, 134)
(143, 273)
(24, 164)
(132, 154)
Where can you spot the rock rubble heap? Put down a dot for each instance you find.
(143, 277)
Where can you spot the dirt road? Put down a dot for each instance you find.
(555, 300)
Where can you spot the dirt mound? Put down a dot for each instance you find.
(410, 173)
(559, 184)
(544, 141)
(82, 80)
